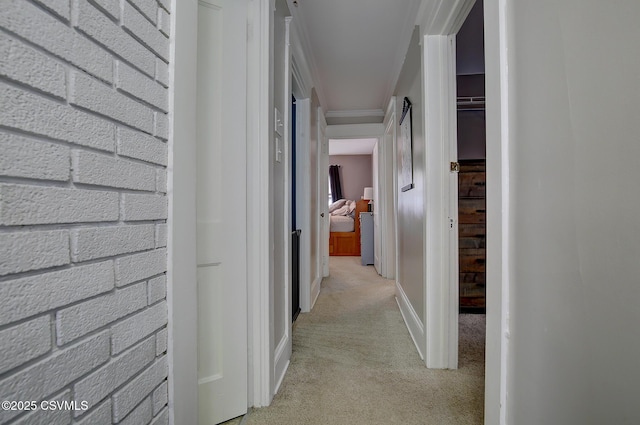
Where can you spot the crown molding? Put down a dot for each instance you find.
(442, 17)
(401, 51)
(353, 113)
(306, 48)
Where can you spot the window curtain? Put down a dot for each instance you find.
(334, 179)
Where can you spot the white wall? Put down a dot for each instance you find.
(411, 214)
(573, 172)
(83, 182)
(411, 220)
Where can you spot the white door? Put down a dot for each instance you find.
(221, 210)
(323, 192)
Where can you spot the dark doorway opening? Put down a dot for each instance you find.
(295, 232)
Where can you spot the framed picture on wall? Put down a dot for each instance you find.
(405, 153)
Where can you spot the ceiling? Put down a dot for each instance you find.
(356, 49)
(351, 146)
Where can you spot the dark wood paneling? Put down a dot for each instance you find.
(472, 260)
(470, 230)
(471, 185)
(471, 210)
(472, 234)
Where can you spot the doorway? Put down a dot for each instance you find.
(295, 231)
(471, 147)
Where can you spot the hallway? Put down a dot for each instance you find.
(354, 362)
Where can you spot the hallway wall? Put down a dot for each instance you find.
(83, 207)
(573, 170)
(411, 212)
(356, 173)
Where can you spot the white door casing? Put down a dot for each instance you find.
(377, 205)
(452, 183)
(221, 231)
(303, 196)
(438, 26)
(323, 196)
(388, 193)
(283, 348)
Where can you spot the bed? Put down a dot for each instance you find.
(344, 228)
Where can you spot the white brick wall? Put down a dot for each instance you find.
(83, 207)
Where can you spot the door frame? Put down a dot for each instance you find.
(259, 105)
(282, 354)
(302, 87)
(323, 195)
(181, 220)
(389, 193)
(437, 20)
(358, 131)
(438, 26)
(441, 294)
(499, 238)
(181, 269)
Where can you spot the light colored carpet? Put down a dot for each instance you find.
(354, 362)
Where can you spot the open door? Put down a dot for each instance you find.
(221, 231)
(323, 192)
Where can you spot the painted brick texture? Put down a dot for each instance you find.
(84, 89)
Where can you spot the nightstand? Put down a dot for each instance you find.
(366, 238)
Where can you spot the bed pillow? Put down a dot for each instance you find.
(352, 206)
(339, 203)
(343, 210)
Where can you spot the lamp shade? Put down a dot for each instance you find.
(368, 193)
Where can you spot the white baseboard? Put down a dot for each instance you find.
(282, 356)
(281, 378)
(414, 325)
(315, 291)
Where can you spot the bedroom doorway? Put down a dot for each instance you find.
(352, 159)
(471, 148)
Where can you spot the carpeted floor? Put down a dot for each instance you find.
(354, 362)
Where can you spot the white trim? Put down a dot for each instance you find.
(282, 353)
(281, 361)
(181, 222)
(315, 292)
(498, 201)
(442, 17)
(355, 113)
(439, 99)
(299, 63)
(305, 46)
(258, 266)
(281, 377)
(393, 107)
(411, 319)
(451, 181)
(321, 192)
(388, 194)
(303, 196)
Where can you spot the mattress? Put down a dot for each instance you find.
(341, 223)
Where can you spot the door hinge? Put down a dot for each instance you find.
(454, 167)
